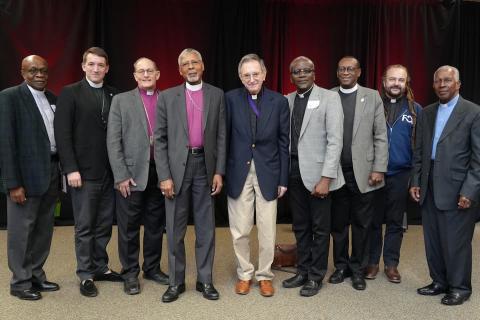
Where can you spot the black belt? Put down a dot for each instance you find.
(195, 150)
(54, 157)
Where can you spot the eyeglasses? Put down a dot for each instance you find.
(248, 76)
(34, 71)
(346, 69)
(297, 72)
(148, 71)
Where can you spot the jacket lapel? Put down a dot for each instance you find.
(139, 107)
(360, 104)
(454, 120)
(33, 108)
(206, 105)
(266, 108)
(314, 96)
(182, 107)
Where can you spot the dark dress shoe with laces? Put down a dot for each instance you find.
(45, 286)
(310, 288)
(455, 298)
(208, 291)
(358, 282)
(88, 288)
(158, 277)
(392, 274)
(27, 294)
(296, 281)
(131, 286)
(432, 289)
(339, 276)
(173, 292)
(109, 276)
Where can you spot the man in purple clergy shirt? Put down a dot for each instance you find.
(190, 150)
(130, 150)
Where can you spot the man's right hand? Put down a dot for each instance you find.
(168, 188)
(415, 193)
(74, 179)
(17, 195)
(124, 187)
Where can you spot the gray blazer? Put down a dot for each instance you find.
(321, 138)
(171, 133)
(128, 143)
(457, 159)
(369, 138)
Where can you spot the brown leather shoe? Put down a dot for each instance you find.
(371, 271)
(266, 288)
(392, 274)
(243, 286)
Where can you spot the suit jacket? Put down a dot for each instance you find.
(79, 131)
(270, 148)
(321, 138)
(128, 142)
(24, 144)
(457, 158)
(369, 138)
(171, 133)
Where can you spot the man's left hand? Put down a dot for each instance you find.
(322, 188)
(217, 184)
(464, 202)
(375, 178)
(281, 191)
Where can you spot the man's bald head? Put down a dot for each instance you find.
(35, 72)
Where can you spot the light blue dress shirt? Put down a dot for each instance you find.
(443, 114)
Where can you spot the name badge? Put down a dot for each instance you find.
(312, 104)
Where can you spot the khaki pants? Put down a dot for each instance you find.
(240, 214)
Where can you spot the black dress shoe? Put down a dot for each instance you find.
(45, 286)
(455, 298)
(432, 289)
(208, 291)
(358, 282)
(173, 292)
(109, 276)
(27, 294)
(158, 277)
(131, 286)
(296, 281)
(339, 276)
(310, 288)
(88, 288)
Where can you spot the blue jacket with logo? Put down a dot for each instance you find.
(400, 140)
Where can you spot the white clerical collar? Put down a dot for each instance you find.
(194, 87)
(347, 91)
(94, 85)
(35, 91)
(301, 95)
(150, 92)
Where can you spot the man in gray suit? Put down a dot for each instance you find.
(190, 150)
(446, 183)
(316, 139)
(364, 161)
(29, 161)
(130, 150)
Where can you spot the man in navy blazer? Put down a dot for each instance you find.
(257, 169)
(30, 170)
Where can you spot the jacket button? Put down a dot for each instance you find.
(248, 162)
(253, 145)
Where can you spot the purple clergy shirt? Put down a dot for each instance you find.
(149, 103)
(194, 103)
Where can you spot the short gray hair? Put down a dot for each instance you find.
(301, 58)
(456, 73)
(251, 57)
(187, 51)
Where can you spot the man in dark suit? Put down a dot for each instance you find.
(29, 163)
(257, 169)
(190, 159)
(130, 149)
(81, 127)
(446, 183)
(364, 161)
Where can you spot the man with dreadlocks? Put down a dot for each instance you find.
(401, 112)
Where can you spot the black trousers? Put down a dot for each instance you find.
(194, 195)
(390, 206)
(147, 206)
(29, 235)
(311, 224)
(448, 238)
(350, 206)
(93, 209)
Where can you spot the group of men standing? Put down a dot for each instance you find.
(154, 157)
